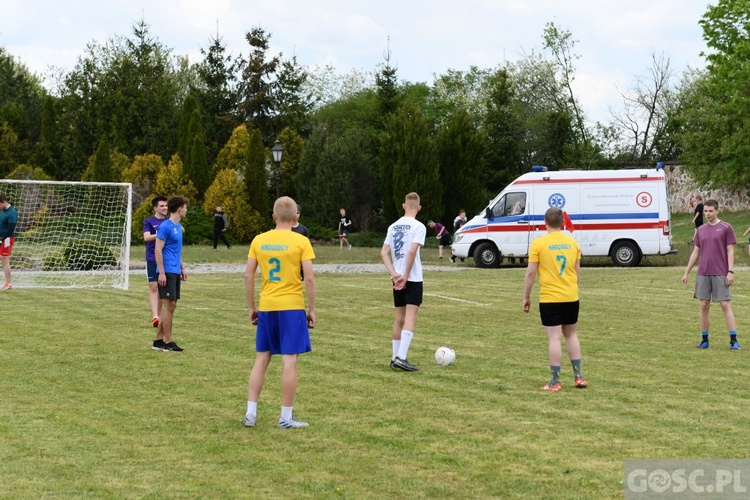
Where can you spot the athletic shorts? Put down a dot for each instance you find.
(171, 291)
(151, 271)
(343, 232)
(282, 332)
(559, 313)
(6, 246)
(713, 288)
(445, 240)
(411, 294)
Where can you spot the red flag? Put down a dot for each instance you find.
(567, 223)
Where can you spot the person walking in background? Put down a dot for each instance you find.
(8, 222)
(150, 226)
(556, 258)
(458, 223)
(441, 234)
(714, 247)
(172, 271)
(698, 216)
(400, 254)
(220, 227)
(283, 326)
(344, 222)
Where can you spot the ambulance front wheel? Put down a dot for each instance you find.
(486, 255)
(626, 254)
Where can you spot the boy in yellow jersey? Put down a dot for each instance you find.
(280, 316)
(556, 257)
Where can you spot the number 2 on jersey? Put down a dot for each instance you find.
(564, 260)
(275, 270)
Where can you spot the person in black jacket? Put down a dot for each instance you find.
(220, 227)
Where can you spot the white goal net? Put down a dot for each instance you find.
(70, 234)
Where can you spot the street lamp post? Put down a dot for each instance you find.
(277, 151)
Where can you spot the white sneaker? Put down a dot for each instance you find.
(291, 424)
(350, 246)
(249, 421)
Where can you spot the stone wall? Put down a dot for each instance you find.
(682, 191)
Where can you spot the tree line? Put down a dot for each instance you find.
(131, 110)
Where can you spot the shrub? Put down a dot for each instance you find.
(82, 255)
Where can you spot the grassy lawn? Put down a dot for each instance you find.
(88, 409)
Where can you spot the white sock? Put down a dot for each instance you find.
(403, 349)
(286, 413)
(252, 408)
(396, 344)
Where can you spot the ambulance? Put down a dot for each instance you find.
(621, 214)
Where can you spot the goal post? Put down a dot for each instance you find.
(70, 234)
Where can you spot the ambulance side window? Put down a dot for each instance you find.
(510, 204)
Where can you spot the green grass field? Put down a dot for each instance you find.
(89, 410)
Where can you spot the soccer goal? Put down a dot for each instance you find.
(70, 234)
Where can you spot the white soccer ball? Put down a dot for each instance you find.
(445, 356)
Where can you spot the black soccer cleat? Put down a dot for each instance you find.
(172, 347)
(404, 365)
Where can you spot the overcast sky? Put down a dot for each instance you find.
(615, 37)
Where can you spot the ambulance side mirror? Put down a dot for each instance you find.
(488, 213)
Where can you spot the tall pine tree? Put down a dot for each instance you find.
(256, 179)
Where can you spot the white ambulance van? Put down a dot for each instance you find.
(623, 214)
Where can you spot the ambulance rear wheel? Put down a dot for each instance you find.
(626, 254)
(486, 255)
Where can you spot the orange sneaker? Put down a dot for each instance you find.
(155, 322)
(551, 387)
(6, 286)
(580, 383)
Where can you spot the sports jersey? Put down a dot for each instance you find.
(8, 220)
(150, 226)
(401, 234)
(171, 234)
(713, 241)
(556, 254)
(279, 255)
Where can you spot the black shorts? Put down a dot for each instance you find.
(411, 294)
(445, 240)
(559, 313)
(171, 291)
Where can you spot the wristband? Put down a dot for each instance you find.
(731, 272)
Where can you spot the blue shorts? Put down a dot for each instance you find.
(151, 271)
(282, 332)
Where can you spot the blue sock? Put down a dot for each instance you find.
(576, 367)
(704, 334)
(733, 335)
(555, 373)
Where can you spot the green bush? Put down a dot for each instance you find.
(82, 255)
(318, 232)
(366, 239)
(199, 226)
